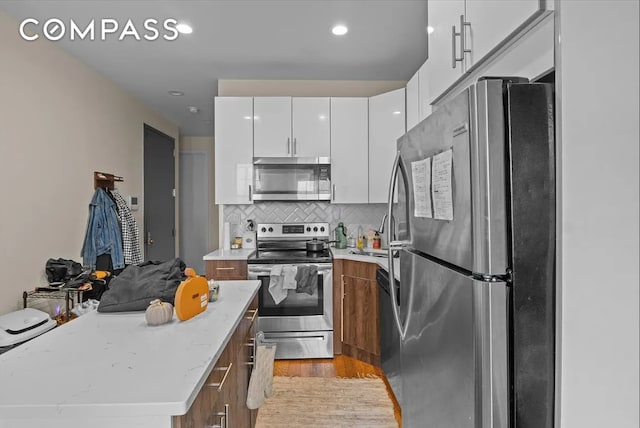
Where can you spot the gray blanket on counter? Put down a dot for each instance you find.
(307, 279)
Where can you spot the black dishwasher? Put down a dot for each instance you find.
(389, 335)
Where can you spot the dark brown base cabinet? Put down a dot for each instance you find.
(222, 400)
(360, 311)
(226, 270)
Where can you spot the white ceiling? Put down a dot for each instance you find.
(241, 39)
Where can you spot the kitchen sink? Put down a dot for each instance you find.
(369, 253)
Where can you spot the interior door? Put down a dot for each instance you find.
(194, 208)
(159, 200)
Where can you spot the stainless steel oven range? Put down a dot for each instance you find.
(296, 297)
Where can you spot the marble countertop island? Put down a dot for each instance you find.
(113, 370)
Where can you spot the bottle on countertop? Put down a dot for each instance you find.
(341, 236)
(351, 241)
(377, 242)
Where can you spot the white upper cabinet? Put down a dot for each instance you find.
(233, 151)
(286, 126)
(349, 146)
(418, 102)
(311, 127)
(465, 31)
(386, 125)
(443, 48)
(413, 100)
(424, 104)
(491, 21)
(272, 127)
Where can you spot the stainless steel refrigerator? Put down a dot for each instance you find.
(472, 197)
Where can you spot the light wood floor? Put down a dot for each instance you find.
(340, 366)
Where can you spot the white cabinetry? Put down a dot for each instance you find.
(424, 103)
(465, 31)
(291, 127)
(311, 127)
(386, 125)
(272, 127)
(349, 141)
(440, 71)
(233, 149)
(491, 21)
(413, 100)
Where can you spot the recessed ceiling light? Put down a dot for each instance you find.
(176, 93)
(430, 29)
(184, 28)
(339, 30)
(397, 112)
(193, 109)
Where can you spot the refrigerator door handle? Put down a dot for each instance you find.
(395, 246)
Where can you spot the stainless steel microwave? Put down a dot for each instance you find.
(291, 179)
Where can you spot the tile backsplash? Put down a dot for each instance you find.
(368, 216)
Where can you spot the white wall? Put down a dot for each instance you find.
(59, 122)
(597, 64)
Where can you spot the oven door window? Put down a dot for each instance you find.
(295, 304)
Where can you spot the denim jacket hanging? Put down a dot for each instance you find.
(103, 232)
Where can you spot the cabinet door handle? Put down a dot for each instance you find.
(333, 197)
(253, 316)
(220, 384)
(295, 146)
(463, 37)
(250, 193)
(289, 146)
(454, 57)
(225, 268)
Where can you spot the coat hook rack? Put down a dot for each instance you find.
(105, 180)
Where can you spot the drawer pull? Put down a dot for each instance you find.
(224, 378)
(225, 268)
(251, 317)
(224, 418)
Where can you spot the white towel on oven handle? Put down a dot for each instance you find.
(289, 273)
(276, 280)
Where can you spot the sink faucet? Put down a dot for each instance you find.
(382, 224)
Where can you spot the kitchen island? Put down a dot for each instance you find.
(113, 370)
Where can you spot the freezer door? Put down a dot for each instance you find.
(454, 355)
(437, 353)
(448, 128)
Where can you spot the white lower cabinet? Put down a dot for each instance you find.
(233, 150)
(349, 146)
(386, 125)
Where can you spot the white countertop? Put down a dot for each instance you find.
(380, 261)
(220, 254)
(115, 365)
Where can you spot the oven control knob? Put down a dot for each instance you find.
(264, 229)
(271, 229)
(322, 229)
(308, 229)
(315, 229)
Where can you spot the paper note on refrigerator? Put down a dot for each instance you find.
(441, 191)
(421, 176)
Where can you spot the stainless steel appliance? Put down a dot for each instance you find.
(302, 323)
(389, 335)
(475, 228)
(291, 179)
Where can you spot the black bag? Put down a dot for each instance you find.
(138, 285)
(62, 270)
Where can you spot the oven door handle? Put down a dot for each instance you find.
(321, 271)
